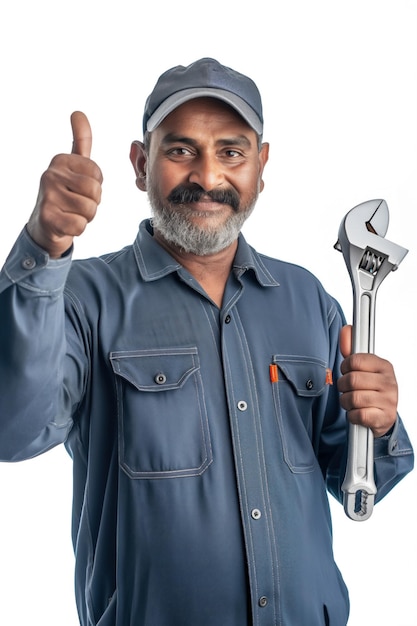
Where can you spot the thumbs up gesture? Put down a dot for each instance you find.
(69, 193)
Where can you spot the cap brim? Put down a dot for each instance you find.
(178, 98)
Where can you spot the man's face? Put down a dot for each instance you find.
(204, 171)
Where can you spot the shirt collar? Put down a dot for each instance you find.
(247, 258)
(154, 262)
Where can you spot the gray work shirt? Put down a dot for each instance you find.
(203, 439)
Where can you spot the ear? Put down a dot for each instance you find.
(138, 158)
(263, 158)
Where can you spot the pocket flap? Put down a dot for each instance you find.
(306, 375)
(155, 370)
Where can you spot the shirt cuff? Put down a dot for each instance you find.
(31, 267)
(394, 443)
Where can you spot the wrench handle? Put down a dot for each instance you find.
(359, 485)
(363, 337)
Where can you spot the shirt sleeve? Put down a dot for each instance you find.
(38, 384)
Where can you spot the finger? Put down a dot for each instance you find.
(360, 382)
(379, 418)
(371, 363)
(346, 340)
(80, 176)
(370, 417)
(81, 132)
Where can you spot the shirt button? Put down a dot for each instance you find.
(29, 263)
(227, 319)
(256, 514)
(160, 379)
(242, 405)
(263, 601)
(309, 384)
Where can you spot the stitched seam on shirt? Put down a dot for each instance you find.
(331, 314)
(404, 452)
(111, 256)
(33, 288)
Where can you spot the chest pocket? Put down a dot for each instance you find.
(300, 383)
(163, 424)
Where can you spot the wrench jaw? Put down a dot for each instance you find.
(369, 259)
(360, 505)
(367, 269)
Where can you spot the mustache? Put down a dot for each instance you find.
(185, 194)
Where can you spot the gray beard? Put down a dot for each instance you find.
(175, 225)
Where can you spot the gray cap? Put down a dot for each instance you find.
(206, 77)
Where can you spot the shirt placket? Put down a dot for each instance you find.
(252, 480)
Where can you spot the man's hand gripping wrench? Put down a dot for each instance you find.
(369, 259)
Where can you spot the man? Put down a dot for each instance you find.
(198, 385)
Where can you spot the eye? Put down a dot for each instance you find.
(232, 153)
(179, 151)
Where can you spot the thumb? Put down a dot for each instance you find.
(81, 132)
(346, 340)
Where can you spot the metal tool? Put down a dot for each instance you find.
(369, 259)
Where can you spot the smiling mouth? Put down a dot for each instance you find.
(208, 203)
(204, 208)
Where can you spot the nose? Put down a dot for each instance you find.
(206, 172)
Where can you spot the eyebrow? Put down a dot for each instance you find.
(238, 140)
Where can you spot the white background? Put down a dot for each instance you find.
(339, 84)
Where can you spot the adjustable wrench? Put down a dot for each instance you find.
(369, 259)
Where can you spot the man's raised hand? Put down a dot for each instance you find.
(69, 193)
